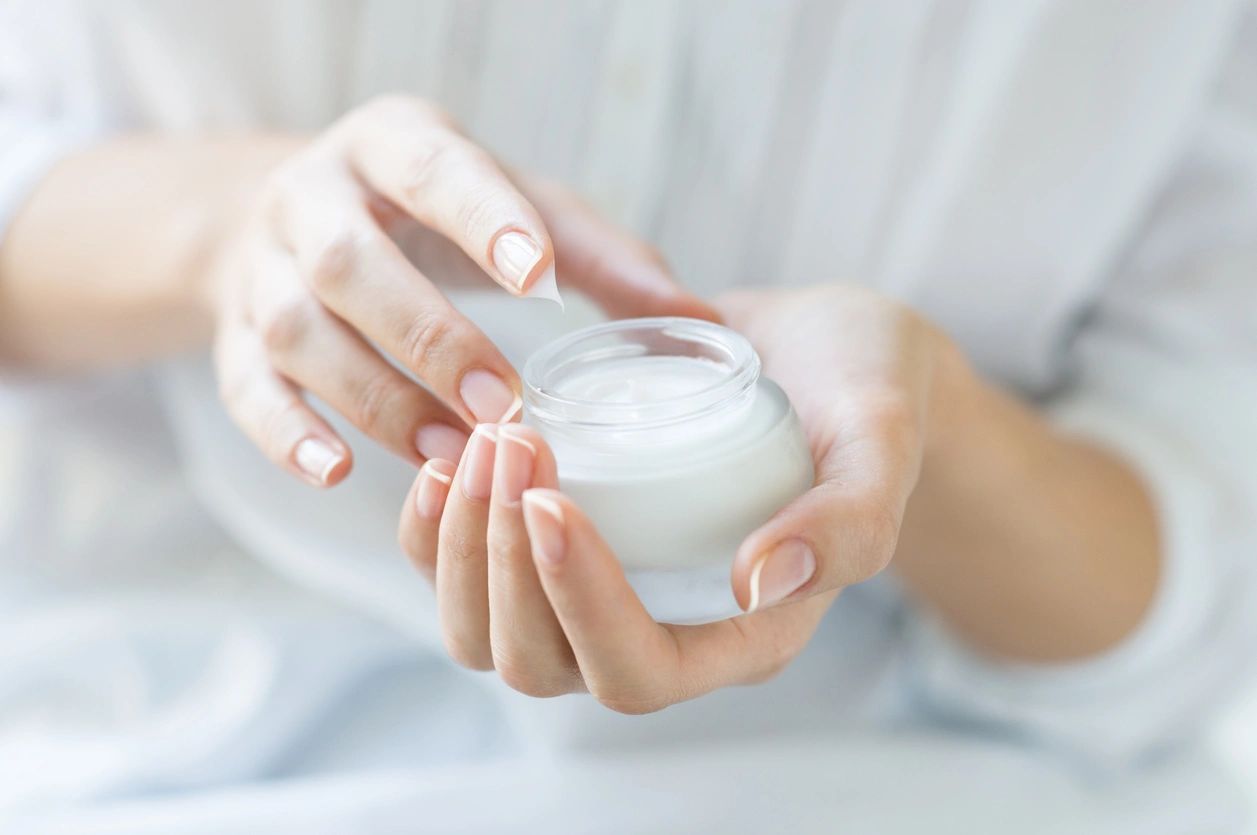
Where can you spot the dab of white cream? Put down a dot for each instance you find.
(546, 287)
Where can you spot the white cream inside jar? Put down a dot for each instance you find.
(668, 437)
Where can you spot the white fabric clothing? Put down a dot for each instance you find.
(1069, 188)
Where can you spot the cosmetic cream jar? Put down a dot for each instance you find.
(670, 440)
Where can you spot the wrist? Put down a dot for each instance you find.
(954, 386)
(978, 437)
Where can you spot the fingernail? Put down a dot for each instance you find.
(477, 478)
(515, 254)
(440, 440)
(317, 459)
(513, 468)
(543, 517)
(434, 485)
(488, 397)
(780, 572)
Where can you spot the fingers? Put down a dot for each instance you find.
(421, 516)
(413, 154)
(527, 587)
(619, 272)
(842, 531)
(315, 349)
(628, 662)
(462, 572)
(360, 274)
(493, 611)
(530, 651)
(271, 412)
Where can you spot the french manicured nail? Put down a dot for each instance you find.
(515, 254)
(477, 478)
(512, 472)
(317, 459)
(440, 440)
(780, 572)
(488, 396)
(543, 517)
(434, 486)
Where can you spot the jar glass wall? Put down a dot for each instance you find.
(666, 434)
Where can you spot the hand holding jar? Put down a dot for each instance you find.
(528, 585)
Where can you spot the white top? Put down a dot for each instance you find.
(1069, 188)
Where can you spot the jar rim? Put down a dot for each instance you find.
(634, 337)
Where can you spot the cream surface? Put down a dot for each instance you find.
(641, 379)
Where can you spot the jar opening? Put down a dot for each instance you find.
(640, 374)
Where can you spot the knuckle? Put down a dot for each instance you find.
(376, 393)
(471, 655)
(631, 701)
(428, 340)
(528, 680)
(479, 210)
(335, 261)
(441, 152)
(457, 548)
(501, 544)
(286, 326)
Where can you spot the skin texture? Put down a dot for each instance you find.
(279, 251)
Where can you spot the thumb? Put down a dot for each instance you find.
(842, 531)
(623, 275)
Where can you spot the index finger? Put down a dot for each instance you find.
(412, 154)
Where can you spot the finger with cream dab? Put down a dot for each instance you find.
(546, 287)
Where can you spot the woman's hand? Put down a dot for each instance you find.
(871, 381)
(1029, 543)
(526, 586)
(312, 294)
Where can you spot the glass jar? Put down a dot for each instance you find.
(669, 439)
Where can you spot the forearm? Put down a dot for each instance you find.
(107, 261)
(1033, 545)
